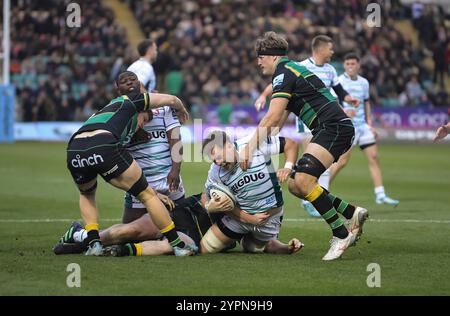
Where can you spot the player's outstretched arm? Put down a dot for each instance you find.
(269, 125)
(277, 247)
(158, 100)
(442, 132)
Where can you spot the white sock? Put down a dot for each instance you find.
(80, 236)
(379, 192)
(324, 179)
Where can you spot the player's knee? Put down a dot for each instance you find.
(373, 157)
(90, 190)
(304, 183)
(210, 243)
(249, 245)
(147, 194)
(139, 187)
(293, 188)
(310, 165)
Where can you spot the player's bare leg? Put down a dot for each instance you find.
(89, 213)
(313, 163)
(133, 181)
(145, 248)
(340, 164)
(141, 229)
(214, 240)
(371, 154)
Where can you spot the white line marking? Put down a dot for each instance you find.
(377, 220)
(302, 220)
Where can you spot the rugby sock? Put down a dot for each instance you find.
(341, 206)
(321, 201)
(79, 236)
(131, 249)
(92, 233)
(379, 192)
(171, 234)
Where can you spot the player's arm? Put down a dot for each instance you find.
(291, 155)
(176, 153)
(236, 212)
(282, 87)
(278, 247)
(368, 111)
(261, 101)
(270, 124)
(158, 100)
(257, 219)
(442, 132)
(343, 95)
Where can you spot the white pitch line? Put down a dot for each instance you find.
(380, 220)
(304, 220)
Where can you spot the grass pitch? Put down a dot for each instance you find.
(410, 243)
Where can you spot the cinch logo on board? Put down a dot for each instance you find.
(247, 179)
(93, 160)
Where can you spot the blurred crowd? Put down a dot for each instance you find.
(63, 73)
(206, 53)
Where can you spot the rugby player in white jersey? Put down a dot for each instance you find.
(317, 63)
(148, 51)
(257, 191)
(365, 133)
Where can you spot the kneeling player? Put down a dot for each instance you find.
(257, 191)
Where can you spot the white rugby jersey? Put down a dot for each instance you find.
(257, 189)
(145, 73)
(154, 156)
(359, 89)
(325, 72)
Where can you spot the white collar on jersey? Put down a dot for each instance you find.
(347, 76)
(311, 59)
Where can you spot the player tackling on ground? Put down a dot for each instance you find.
(297, 90)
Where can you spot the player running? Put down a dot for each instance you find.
(317, 63)
(97, 148)
(298, 90)
(365, 134)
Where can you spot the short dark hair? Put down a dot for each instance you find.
(319, 40)
(215, 138)
(351, 56)
(144, 46)
(123, 74)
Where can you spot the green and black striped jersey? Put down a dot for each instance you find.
(119, 116)
(308, 97)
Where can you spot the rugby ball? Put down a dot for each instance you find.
(222, 191)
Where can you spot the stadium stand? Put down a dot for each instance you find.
(206, 51)
(64, 73)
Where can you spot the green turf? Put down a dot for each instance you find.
(414, 256)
